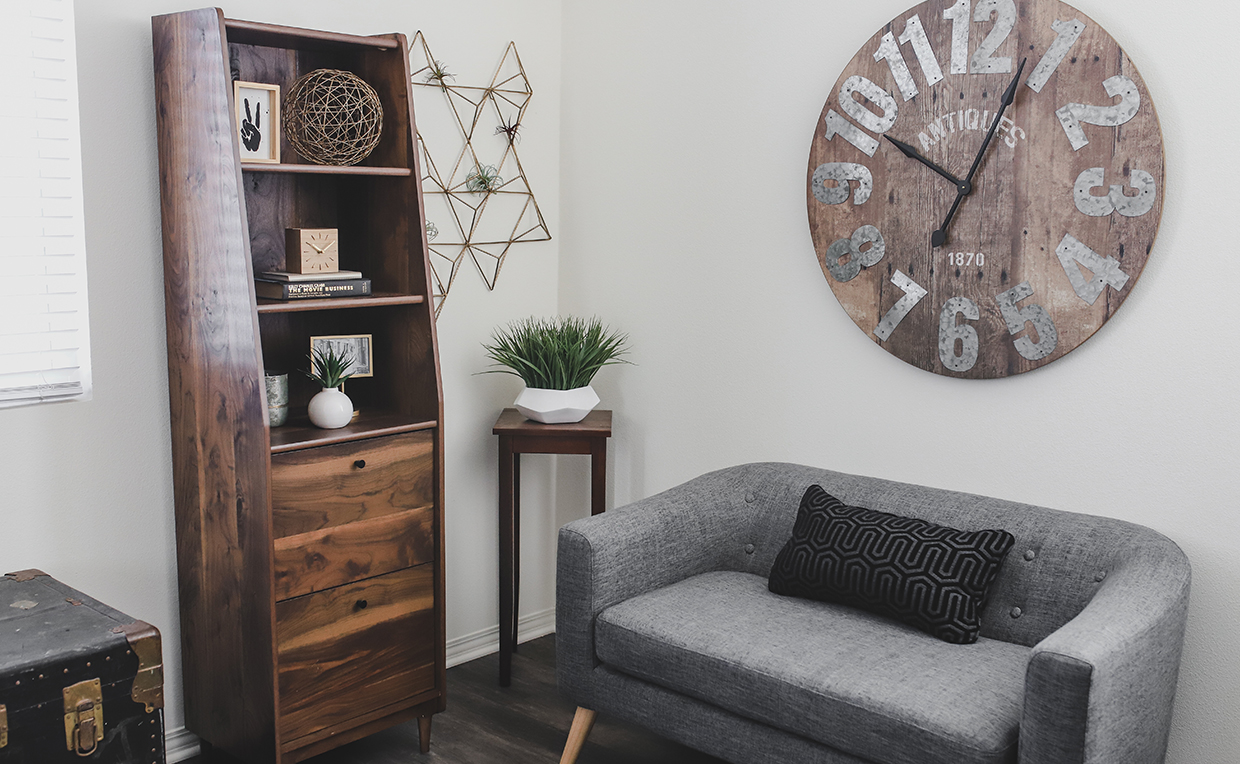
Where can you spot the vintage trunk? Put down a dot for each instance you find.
(79, 681)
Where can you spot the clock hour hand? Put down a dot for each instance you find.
(940, 236)
(912, 153)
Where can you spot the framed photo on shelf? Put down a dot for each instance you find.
(258, 121)
(356, 345)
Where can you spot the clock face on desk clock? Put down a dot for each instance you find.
(312, 250)
(985, 258)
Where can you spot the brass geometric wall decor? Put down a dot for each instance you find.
(480, 204)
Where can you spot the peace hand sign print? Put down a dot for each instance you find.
(251, 137)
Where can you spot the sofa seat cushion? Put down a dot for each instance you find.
(858, 682)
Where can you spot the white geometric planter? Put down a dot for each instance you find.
(556, 406)
(330, 409)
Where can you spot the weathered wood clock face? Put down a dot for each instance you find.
(985, 258)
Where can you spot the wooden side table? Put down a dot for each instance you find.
(518, 435)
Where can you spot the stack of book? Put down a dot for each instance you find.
(281, 285)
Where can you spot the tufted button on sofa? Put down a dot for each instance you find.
(663, 618)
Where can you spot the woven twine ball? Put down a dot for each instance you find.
(332, 117)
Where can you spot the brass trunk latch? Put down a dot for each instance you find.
(83, 717)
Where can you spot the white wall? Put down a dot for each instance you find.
(686, 132)
(88, 486)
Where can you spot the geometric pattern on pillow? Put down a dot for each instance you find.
(929, 576)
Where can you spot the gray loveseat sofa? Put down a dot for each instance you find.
(663, 618)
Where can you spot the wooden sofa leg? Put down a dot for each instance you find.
(583, 720)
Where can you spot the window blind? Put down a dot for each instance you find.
(44, 327)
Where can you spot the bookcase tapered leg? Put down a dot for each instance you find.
(424, 734)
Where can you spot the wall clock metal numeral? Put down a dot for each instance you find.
(1072, 115)
(1033, 314)
(840, 173)
(913, 292)
(972, 227)
(1073, 254)
(1067, 33)
(952, 333)
(890, 52)
(958, 14)
(875, 123)
(983, 61)
(915, 33)
(1115, 199)
(846, 257)
(837, 125)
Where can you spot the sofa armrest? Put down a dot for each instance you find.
(1099, 690)
(612, 557)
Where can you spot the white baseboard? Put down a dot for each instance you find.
(470, 646)
(182, 744)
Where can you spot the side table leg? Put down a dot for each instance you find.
(598, 476)
(506, 463)
(516, 548)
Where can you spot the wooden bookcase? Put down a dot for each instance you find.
(310, 561)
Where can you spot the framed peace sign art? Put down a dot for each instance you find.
(258, 121)
(985, 182)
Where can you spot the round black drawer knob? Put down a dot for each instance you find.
(360, 463)
(361, 604)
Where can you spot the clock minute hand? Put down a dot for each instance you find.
(1009, 95)
(912, 153)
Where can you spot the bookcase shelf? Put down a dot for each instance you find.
(338, 303)
(278, 36)
(279, 665)
(322, 169)
(299, 433)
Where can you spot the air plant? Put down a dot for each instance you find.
(439, 74)
(509, 127)
(484, 179)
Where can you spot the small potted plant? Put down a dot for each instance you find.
(330, 409)
(556, 358)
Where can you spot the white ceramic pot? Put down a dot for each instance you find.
(556, 406)
(330, 409)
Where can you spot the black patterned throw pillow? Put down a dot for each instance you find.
(928, 576)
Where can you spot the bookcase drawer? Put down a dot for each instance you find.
(318, 560)
(319, 488)
(349, 651)
(351, 511)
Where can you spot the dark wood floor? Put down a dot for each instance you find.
(526, 723)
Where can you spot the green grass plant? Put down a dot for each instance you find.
(556, 353)
(328, 368)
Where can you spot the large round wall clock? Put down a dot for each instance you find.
(985, 184)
